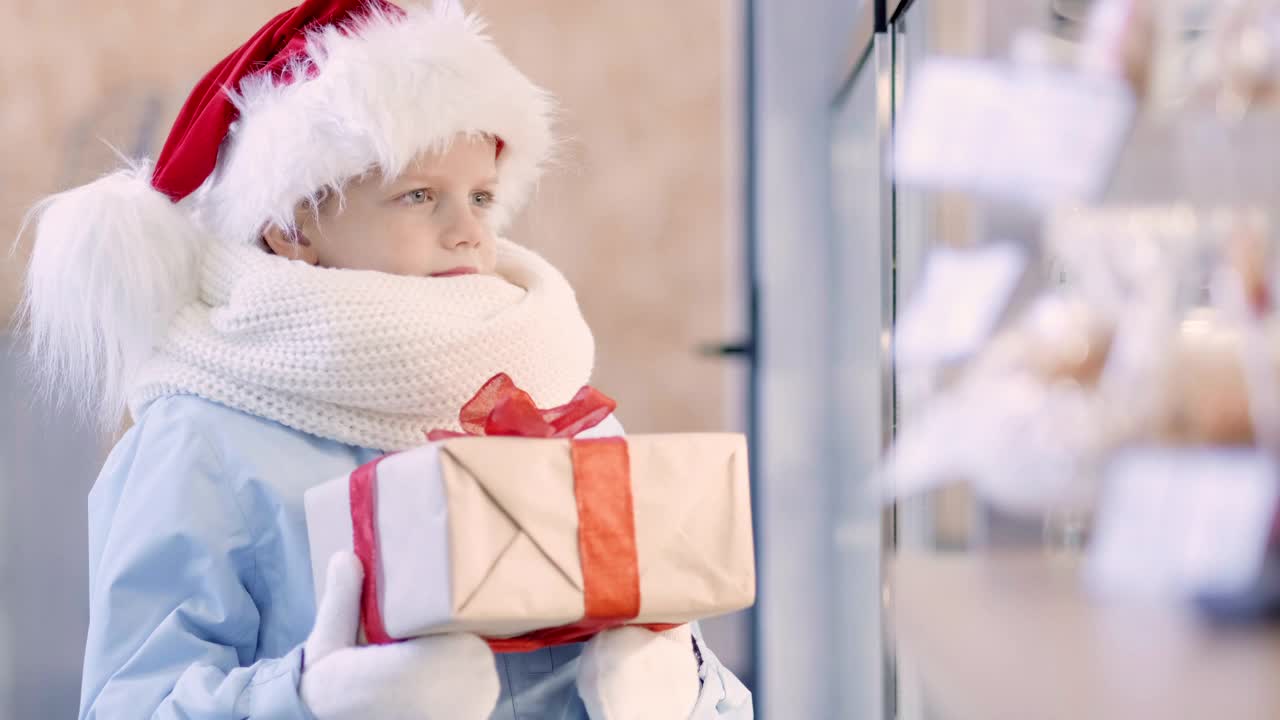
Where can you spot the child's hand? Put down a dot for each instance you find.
(445, 676)
(635, 673)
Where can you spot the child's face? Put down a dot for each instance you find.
(429, 221)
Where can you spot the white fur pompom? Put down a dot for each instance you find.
(112, 263)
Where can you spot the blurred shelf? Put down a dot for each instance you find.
(1012, 635)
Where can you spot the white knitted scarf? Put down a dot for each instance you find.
(368, 358)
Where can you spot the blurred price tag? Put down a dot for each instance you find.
(961, 296)
(1033, 135)
(1183, 521)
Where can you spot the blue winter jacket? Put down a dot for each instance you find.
(200, 578)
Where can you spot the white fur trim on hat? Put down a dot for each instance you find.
(373, 97)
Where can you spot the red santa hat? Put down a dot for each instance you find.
(323, 93)
(332, 88)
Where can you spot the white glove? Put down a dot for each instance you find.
(451, 677)
(632, 673)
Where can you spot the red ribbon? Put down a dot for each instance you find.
(602, 489)
(502, 408)
(363, 486)
(606, 544)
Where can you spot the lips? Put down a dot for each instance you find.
(454, 272)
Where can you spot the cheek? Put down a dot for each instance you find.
(407, 230)
(366, 240)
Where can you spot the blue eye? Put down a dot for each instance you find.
(482, 199)
(418, 197)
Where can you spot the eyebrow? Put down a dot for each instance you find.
(413, 177)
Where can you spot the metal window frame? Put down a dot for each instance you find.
(869, 48)
(872, 49)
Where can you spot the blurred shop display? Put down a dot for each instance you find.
(1111, 366)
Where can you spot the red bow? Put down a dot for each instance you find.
(502, 408)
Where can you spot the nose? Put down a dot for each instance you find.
(462, 230)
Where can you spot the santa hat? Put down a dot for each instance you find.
(323, 93)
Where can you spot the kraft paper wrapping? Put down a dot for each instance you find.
(481, 534)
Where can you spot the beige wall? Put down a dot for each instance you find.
(638, 215)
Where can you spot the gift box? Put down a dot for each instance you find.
(537, 541)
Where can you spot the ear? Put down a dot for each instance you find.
(293, 245)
